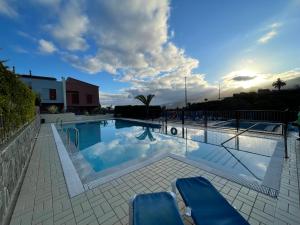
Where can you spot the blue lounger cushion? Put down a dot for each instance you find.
(208, 206)
(155, 209)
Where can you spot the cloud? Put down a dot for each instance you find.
(7, 9)
(243, 78)
(46, 46)
(258, 80)
(107, 99)
(267, 37)
(270, 34)
(71, 26)
(53, 3)
(20, 49)
(131, 41)
(27, 36)
(133, 45)
(276, 25)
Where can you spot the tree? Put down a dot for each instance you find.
(146, 101)
(278, 84)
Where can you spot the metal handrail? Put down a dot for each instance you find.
(76, 136)
(238, 134)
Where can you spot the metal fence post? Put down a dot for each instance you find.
(166, 121)
(205, 119)
(182, 117)
(285, 125)
(237, 118)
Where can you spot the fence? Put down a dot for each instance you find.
(253, 115)
(212, 118)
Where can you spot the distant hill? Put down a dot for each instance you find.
(264, 99)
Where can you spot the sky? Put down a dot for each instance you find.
(132, 47)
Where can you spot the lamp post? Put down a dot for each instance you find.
(219, 91)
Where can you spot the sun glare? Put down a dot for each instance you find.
(248, 79)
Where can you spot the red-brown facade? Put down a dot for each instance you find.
(81, 96)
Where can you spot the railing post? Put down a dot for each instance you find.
(166, 121)
(237, 118)
(285, 125)
(182, 117)
(68, 136)
(205, 119)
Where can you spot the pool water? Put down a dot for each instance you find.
(108, 144)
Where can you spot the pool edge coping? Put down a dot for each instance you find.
(74, 184)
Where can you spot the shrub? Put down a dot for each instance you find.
(52, 109)
(17, 101)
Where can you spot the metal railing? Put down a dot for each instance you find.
(76, 142)
(209, 119)
(238, 134)
(59, 121)
(251, 115)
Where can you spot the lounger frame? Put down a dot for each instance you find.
(188, 210)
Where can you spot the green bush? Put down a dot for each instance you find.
(17, 101)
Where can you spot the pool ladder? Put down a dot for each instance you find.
(57, 121)
(76, 136)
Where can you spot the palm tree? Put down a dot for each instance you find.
(146, 101)
(278, 84)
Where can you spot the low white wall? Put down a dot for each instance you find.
(69, 117)
(52, 118)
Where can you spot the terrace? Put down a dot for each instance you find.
(45, 199)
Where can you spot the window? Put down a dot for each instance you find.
(89, 99)
(75, 98)
(52, 94)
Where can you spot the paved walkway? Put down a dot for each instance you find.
(44, 197)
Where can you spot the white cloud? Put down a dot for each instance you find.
(267, 37)
(46, 46)
(272, 31)
(239, 80)
(275, 25)
(132, 41)
(71, 27)
(20, 49)
(134, 46)
(7, 9)
(53, 3)
(107, 99)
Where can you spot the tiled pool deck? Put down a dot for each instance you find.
(44, 197)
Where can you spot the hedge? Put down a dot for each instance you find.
(137, 111)
(17, 101)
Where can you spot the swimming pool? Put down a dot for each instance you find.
(106, 147)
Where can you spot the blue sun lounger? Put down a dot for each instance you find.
(205, 204)
(154, 209)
